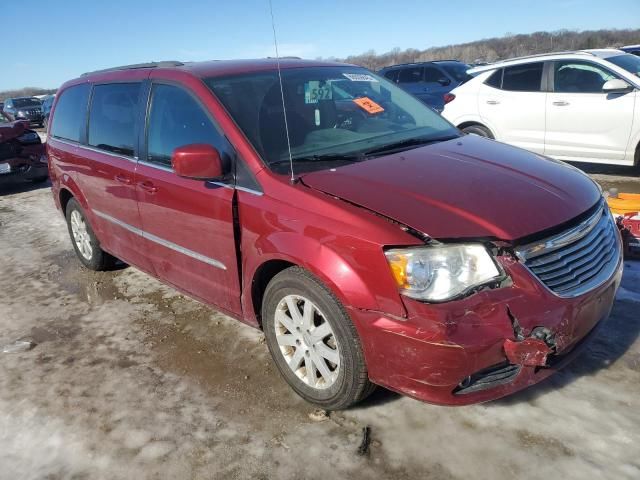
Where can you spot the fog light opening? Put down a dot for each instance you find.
(465, 382)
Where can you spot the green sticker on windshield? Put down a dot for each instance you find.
(315, 90)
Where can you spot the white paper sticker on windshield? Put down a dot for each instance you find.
(316, 90)
(360, 77)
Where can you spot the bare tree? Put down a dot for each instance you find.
(508, 46)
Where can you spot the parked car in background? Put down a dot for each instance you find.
(24, 108)
(428, 81)
(369, 239)
(632, 49)
(22, 154)
(579, 106)
(47, 103)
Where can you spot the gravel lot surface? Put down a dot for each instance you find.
(130, 380)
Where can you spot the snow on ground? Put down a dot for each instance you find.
(130, 379)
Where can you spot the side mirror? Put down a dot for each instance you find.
(199, 161)
(616, 86)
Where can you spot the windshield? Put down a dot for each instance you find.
(456, 70)
(630, 63)
(26, 102)
(334, 114)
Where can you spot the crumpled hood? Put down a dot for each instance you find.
(12, 130)
(469, 187)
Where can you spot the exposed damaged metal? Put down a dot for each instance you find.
(531, 351)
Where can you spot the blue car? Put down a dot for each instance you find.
(632, 49)
(428, 81)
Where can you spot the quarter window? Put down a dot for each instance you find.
(495, 79)
(523, 78)
(70, 114)
(579, 77)
(176, 120)
(112, 117)
(411, 75)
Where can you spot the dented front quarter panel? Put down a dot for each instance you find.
(430, 352)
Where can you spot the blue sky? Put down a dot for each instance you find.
(75, 36)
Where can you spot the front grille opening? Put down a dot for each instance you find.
(577, 260)
(488, 378)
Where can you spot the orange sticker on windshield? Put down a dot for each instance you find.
(368, 105)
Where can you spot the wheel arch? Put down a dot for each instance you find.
(261, 278)
(69, 189)
(282, 250)
(63, 197)
(471, 123)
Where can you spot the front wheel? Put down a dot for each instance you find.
(84, 240)
(313, 341)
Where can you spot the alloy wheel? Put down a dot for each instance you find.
(307, 341)
(81, 235)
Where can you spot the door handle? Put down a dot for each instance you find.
(148, 187)
(493, 102)
(561, 103)
(123, 179)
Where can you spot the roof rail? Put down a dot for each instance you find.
(418, 63)
(499, 63)
(536, 55)
(167, 63)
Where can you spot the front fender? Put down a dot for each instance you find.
(340, 268)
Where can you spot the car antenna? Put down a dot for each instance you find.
(284, 109)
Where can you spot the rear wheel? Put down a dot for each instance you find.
(313, 342)
(84, 240)
(479, 130)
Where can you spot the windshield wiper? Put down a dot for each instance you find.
(327, 157)
(407, 143)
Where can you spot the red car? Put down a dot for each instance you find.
(22, 154)
(370, 240)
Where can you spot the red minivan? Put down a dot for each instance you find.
(369, 239)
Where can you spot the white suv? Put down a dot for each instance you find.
(580, 106)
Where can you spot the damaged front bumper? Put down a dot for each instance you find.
(485, 346)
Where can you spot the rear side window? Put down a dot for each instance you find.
(176, 119)
(495, 79)
(70, 113)
(112, 117)
(411, 75)
(523, 78)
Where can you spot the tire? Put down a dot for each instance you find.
(86, 246)
(334, 384)
(479, 130)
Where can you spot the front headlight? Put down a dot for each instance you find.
(20, 113)
(440, 272)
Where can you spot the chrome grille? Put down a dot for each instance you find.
(578, 259)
